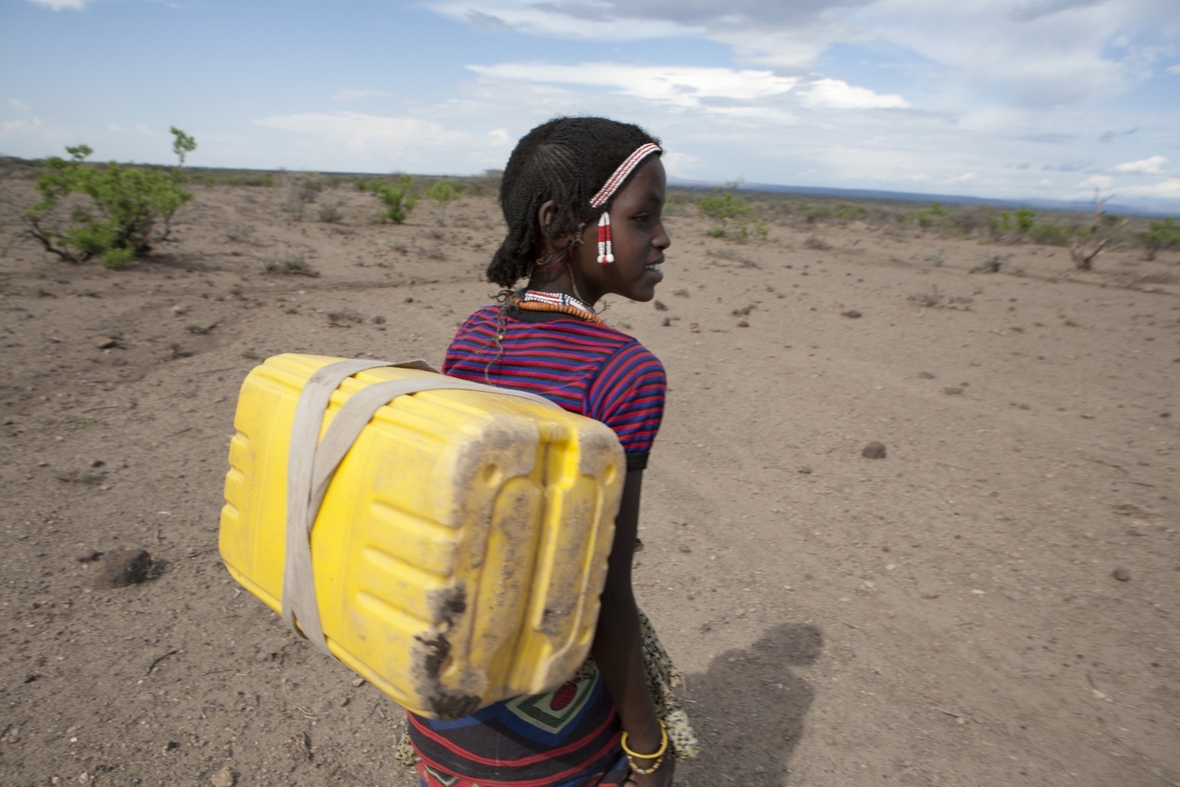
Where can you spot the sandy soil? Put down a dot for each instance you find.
(947, 615)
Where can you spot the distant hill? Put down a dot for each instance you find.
(1141, 207)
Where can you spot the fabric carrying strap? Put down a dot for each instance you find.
(311, 463)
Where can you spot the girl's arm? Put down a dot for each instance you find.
(618, 648)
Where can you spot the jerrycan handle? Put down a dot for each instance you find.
(311, 465)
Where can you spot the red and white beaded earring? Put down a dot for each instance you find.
(605, 252)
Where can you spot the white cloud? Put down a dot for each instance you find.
(1042, 52)
(19, 105)
(1174, 69)
(838, 94)
(1096, 182)
(361, 132)
(678, 165)
(21, 126)
(1168, 188)
(348, 94)
(498, 137)
(596, 21)
(115, 127)
(966, 176)
(57, 5)
(679, 85)
(142, 129)
(1147, 166)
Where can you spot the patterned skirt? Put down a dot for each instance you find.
(566, 738)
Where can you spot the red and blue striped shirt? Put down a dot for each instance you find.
(589, 369)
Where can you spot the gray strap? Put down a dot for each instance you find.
(311, 465)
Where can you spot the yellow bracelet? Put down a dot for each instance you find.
(663, 745)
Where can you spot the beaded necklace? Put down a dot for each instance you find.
(537, 301)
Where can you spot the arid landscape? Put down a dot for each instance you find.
(996, 601)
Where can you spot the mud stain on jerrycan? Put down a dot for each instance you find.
(461, 548)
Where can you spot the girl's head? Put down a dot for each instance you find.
(564, 163)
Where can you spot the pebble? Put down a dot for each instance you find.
(667, 322)
(874, 450)
(124, 567)
(224, 778)
(926, 375)
(1121, 574)
(105, 343)
(88, 556)
(853, 313)
(358, 682)
(378, 320)
(685, 548)
(743, 323)
(661, 306)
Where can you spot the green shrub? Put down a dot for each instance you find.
(815, 212)
(850, 212)
(1050, 234)
(929, 217)
(442, 192)
(1162, 234)
(723, 206)
(1025, 217)
(119, 220)
(399, 199)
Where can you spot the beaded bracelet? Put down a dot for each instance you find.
(644, 771)
(658, 756)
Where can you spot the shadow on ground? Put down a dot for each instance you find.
(748, 710)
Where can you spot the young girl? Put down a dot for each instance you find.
(583, 199)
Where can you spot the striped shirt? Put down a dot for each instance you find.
(592, 370)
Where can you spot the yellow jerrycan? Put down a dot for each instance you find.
(446, 540)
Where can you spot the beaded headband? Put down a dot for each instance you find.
(605, 254)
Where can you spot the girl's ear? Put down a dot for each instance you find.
(545, 214)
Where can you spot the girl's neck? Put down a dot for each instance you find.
(561, 280)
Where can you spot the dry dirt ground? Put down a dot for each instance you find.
(946, 615)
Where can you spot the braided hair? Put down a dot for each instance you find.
(566, 160)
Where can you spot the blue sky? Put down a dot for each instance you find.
(997, 98)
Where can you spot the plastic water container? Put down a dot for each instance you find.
(461, 547)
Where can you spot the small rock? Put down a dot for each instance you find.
(952, 390)
(874, 450)
(171, 745)
(124, 567)
(661, 306)
(853, 313)
(743, 323)
(694, 327)
(685, 548)
(667, 322)
(358, 682)
(706, 628)
(926, 375)
(179, 310)
(409, 300)
(105, 343)
(1121, 574)
(378, 320)
(88, 556)
(224, 777)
